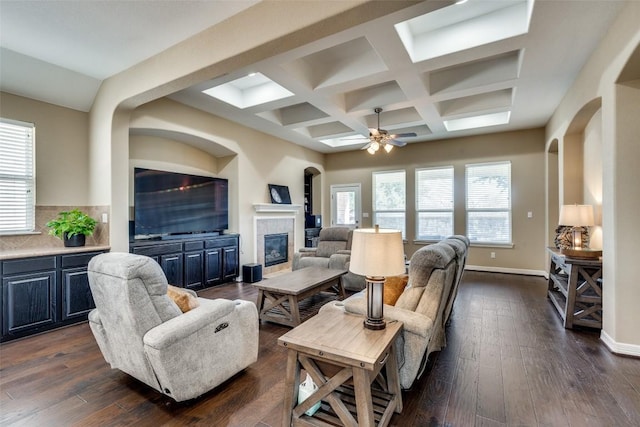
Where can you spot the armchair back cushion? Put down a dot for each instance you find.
(333, 239)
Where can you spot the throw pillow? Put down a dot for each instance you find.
(393, 288)
(183, 299)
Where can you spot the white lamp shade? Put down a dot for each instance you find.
(576, 215)
(377, 253)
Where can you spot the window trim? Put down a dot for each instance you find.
(30, 180)
(417, 204)
(489, 243)
(373, 199)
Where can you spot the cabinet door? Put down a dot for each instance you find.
(193, 270)
(212, 266)
(77, 300)
(28, 302)
(173, 268)
(230, 263)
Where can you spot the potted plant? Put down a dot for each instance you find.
(72, 227)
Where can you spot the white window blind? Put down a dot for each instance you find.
(389, 200)
(434, 203)
(17, 180)
(489, 202)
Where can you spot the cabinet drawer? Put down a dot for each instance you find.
(28, 265)
(77, 260)
(162, 249)
(220, 242)
(193, 246)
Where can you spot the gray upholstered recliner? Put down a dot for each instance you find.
(333, 251)
(141, 331)
(421, 308)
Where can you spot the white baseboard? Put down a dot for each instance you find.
(507, 270)
(618, 347)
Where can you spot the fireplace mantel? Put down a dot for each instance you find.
(273, 207)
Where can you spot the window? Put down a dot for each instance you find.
(489, 202)
(389, 197)
(17, 181)
(434, 203)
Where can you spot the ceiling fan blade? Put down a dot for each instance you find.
(396, 142)
(403, 135)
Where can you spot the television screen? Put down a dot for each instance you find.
(177, 203)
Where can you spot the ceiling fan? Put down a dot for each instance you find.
(382, 138)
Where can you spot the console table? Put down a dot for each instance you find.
(344, 359)
(575, 289)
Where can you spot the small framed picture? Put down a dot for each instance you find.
(279, 194)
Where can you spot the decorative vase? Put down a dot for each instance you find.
(74, 241)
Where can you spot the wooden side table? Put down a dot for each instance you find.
(343, 358)
(575, 289)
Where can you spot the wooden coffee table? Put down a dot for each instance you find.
(280, 298)
(344, 359)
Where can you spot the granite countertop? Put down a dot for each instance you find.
(34, 252)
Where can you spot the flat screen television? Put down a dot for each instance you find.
(170, 203)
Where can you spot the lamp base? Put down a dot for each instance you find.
(375, 324)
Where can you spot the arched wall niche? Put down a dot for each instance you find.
(316, 187)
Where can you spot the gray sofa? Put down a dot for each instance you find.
(142, 332)
(434, 272)
(333, 251)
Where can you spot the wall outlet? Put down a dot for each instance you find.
(529, 214)
(105, 218)
(365, 214)
(493, 254)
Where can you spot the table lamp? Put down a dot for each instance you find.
(576, 216)
(376, 253)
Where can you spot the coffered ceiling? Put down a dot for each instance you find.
(438, 69)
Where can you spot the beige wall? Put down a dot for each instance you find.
(592, 175)
(525, 150)
(62, 152)
(259, 160)
(616, 56)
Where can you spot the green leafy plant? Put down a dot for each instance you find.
(71, 222)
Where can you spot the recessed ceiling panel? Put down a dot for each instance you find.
(373, 96)
(496, 69)
(394, 119)
(475, 122)
(328, 129)
(248, 91)
(500, 99)
(342, 63)
(294, 114)
(463, 26)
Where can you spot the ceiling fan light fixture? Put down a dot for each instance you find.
(370, 150)
(388, 148)
(375, 145)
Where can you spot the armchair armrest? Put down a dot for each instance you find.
(344, 251)
(180, 327)
(413, 322)
(339, 261)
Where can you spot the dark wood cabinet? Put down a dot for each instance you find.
(195, 262)
(41, 293)
(193, 270)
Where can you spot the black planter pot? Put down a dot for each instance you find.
(74, 241)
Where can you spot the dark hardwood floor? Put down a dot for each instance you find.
(508, 362)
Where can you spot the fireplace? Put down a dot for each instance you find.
(276, 249)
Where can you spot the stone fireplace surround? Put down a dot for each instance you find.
(264, 225)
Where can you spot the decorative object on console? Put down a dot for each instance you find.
(279, 194)
(376, 254)
(72, 227)
(579, 218)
